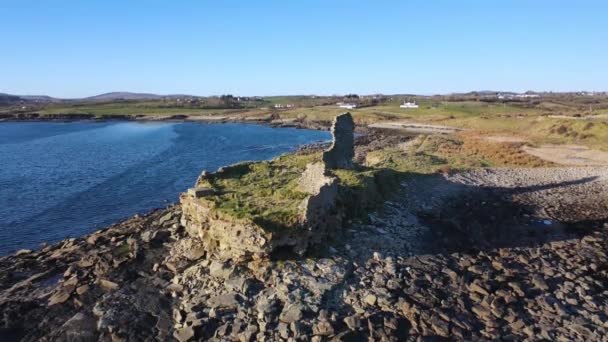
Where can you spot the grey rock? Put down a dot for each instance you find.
(229, 300)
(283, 329)
(61, 296)
(478, 288)
(370, 299)
(107, 284)
(184, 334)
(540, 283)
(292, 313)
(238, 284)
(353, 322)
(165, 218)
(219, 270)
(80, 328)
(323, 328)
(340, 154)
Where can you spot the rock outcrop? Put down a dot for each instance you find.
(245, 238)
(340, 154)
(236, 238)
(223, 234)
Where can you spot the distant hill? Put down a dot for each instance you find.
(123, 95)
(40, 98)
(9, 100)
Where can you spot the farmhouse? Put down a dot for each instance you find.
(347, 105)
(408, 105)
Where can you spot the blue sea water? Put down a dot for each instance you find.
(61, 180)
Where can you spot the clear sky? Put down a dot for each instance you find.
(81, 48)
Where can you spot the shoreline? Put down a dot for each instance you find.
(280, 123)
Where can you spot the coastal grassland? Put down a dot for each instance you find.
(450, 110)
(444, 153)
(540, 130)
(552, 120)
(267, 193)
(538, 123)
(428, 111)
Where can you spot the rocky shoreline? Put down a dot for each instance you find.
(426, 265)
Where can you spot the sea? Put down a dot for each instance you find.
(60, 180)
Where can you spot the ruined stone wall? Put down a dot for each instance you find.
(229, 237)
(225, 236)
(340, 154)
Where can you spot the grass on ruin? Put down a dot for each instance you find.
(267, 192)
(264, 192)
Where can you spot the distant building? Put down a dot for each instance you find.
(347, 105)
(408, 105)
(508, 96)
(278, 105)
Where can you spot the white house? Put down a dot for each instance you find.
(347, 105)
(409, 105)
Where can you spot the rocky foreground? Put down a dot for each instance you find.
(490, 254)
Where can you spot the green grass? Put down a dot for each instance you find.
(267, 193)
(263, 192)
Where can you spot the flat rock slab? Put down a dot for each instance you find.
(229, 300)
(416, 127)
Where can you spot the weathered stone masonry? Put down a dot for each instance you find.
(234, 238)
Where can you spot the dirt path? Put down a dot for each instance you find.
(504, 139)
(411, 127)
(575, 155)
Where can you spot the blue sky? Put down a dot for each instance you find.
(82, 48)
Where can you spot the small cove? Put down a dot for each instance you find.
(61, 180)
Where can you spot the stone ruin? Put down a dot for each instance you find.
(340, 154)
(232, 238)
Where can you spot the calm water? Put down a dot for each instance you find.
(62, 180)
